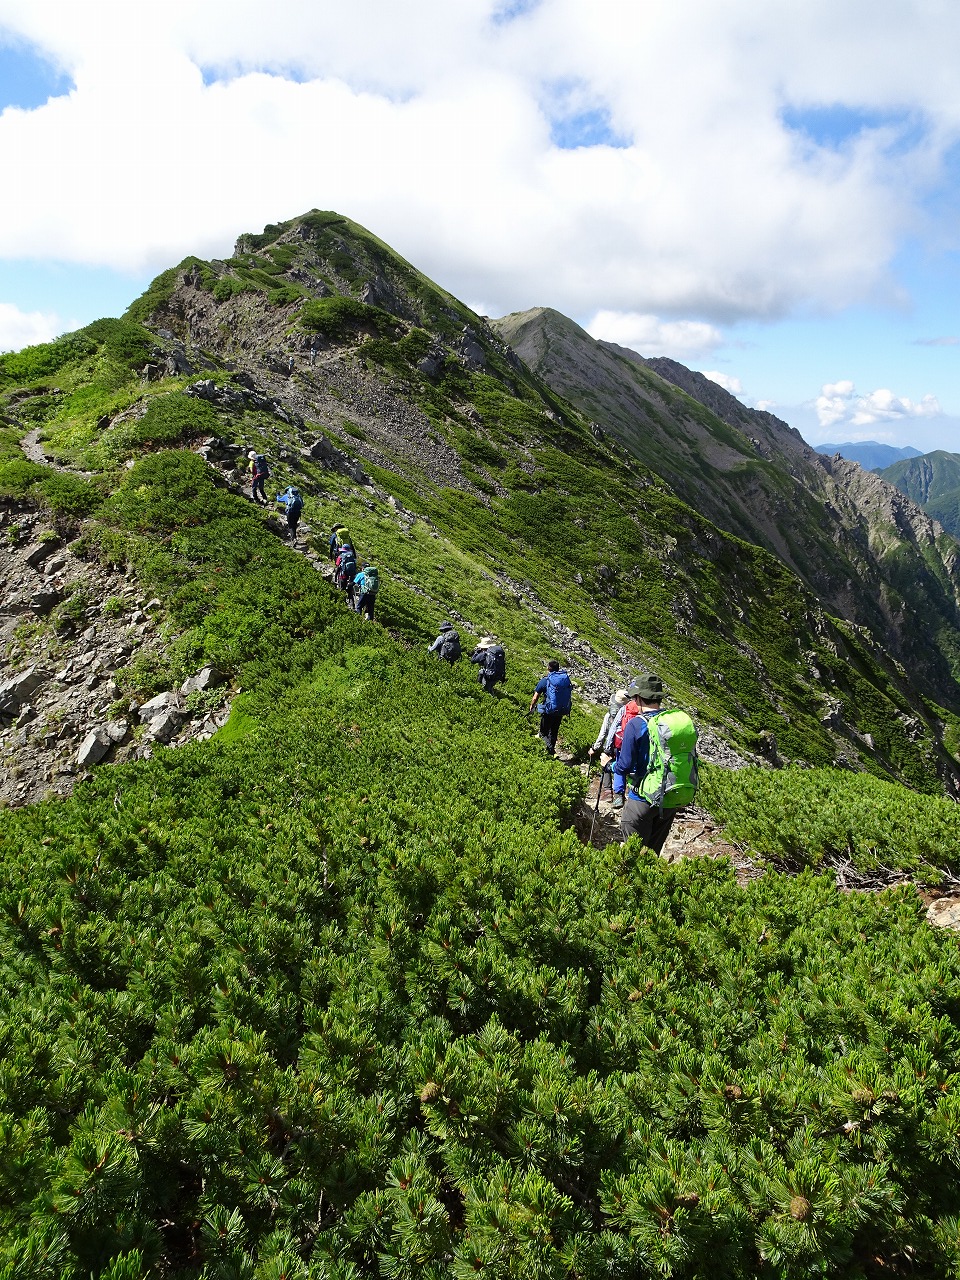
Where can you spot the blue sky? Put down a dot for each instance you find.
(769, 194)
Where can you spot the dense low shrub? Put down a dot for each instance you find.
(123, 341)
(59, 492)
(169, 419)
(805, 817)
(337, 315)
(338, 995)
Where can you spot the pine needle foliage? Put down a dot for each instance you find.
(338, 994)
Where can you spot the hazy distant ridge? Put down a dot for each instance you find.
(870, 454)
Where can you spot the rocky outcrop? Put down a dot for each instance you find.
(70, 629)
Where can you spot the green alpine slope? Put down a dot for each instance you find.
(933, 482)
(867, 554)
(339, 992)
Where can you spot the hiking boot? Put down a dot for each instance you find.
(618, 800)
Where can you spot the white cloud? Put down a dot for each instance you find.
(430, 122)
(839, 402)
(837, 390)
(650, 336)
(25, 328)
(766, 406)
(725, 380)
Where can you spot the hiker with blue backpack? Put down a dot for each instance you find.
(292, 500)
(557, 694)
(365, 587)
(346, 569)
(657, 763)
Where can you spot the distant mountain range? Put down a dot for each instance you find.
(871, 455)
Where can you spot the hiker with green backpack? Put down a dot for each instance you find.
(657, 761)
(365, 587)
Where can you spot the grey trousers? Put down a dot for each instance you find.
(652, 825)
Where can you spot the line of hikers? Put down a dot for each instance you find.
(359, 582)
(648, 755)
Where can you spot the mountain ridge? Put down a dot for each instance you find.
(440, 416)
(833, 524)
(361, 985)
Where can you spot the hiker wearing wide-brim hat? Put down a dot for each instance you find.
(447, 644)
(489, 655)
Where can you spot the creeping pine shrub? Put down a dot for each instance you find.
(56, 491)
(71, 614)
(169, 419)
(339, 994)
(335, 316)
(807, 817)
(122, 341)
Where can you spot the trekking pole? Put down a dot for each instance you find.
(597, 804)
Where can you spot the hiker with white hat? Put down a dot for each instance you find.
(492, 660)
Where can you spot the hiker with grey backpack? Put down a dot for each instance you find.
(489, 655)
(447, 644)
(657, 762)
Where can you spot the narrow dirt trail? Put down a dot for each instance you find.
(30, 444)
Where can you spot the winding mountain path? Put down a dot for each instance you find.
(30, 444)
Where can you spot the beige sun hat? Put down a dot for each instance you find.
(486, 642)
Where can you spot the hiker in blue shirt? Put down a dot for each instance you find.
(557, 700)
(637, 816)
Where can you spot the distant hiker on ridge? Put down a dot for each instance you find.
(492, 660)
(658, 761)
(447, 644)
(557, 701)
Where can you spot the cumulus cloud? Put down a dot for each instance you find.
(839, 402)
(651, 336)
(25, 328)
(725, 380)
(436, 124)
